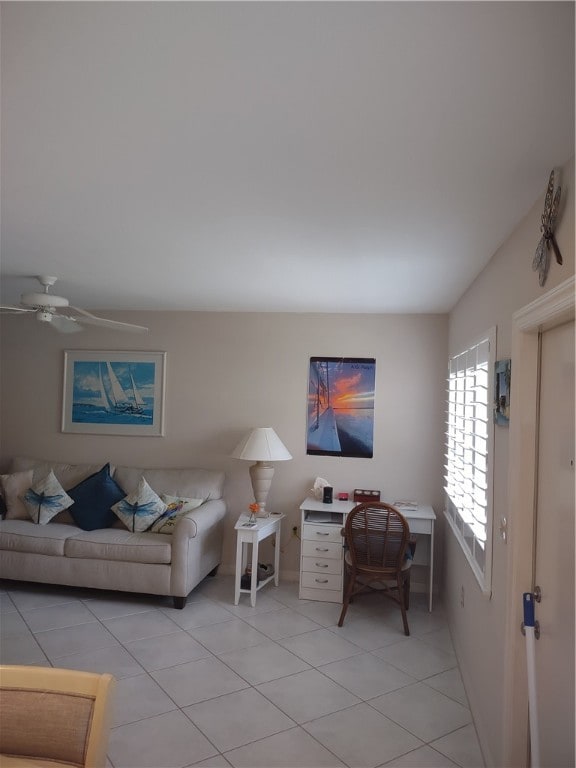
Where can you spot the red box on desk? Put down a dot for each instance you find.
(362, 496)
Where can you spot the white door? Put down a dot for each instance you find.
(554, 556)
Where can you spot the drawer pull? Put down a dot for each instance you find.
(322, 549)
(322, 533)
(321, 565)
(321, 581)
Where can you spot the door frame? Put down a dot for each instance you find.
(549, 310)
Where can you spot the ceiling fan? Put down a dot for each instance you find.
(54, 311)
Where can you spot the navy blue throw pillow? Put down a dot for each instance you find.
(93, 498)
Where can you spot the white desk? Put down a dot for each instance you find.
(321, 556)
(265, 526)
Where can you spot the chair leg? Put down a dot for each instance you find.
(403, 605)
(407, 590)
(347, 596)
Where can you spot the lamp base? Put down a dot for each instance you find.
(261, 475)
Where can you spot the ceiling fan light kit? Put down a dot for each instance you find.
(44, 316)
(46, 305)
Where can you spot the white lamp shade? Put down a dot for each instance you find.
(261, 444)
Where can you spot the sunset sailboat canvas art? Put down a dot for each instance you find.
(341, 407)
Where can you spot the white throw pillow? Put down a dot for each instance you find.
(140, 508)
(14, 486)
(45, 499)
(176, 508)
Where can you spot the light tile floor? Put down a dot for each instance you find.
(274, 686)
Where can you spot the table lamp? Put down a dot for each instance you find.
(261, 445)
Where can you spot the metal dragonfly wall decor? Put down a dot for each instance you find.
(541, 262)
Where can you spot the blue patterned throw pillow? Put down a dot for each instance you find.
(140, 508)
(93, 499)
(176, 508)
(45, 499)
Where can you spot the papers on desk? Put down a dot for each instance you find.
(406, 506)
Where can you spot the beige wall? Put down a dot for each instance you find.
(505, 285)
(228, 372)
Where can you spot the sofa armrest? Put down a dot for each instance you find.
(197, 546)
(199, 520)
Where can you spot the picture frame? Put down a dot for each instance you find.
(340, 414)
(114, 393)
(502, 377)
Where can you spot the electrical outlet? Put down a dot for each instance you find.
(295, 530)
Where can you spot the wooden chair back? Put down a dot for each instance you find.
(377, 536)
(58, 715)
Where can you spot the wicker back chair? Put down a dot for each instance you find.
(54, 717)
(377, 537)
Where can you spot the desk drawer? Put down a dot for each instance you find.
(316, 532)
(322, 595)
(331, 581)
(321, 565)
(322, 549)
(420, 526)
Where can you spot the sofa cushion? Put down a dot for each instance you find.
(187, 483)
(176, 508)
(13, 488)
(93, 499)
(68, 475)
(45, 498)
(114, 544)
(24, 536)
(140, 508)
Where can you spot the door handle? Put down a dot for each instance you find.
(537, 594)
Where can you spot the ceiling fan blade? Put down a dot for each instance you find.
(14, 310)
(90, 319)
(65, 324)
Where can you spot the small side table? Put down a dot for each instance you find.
(265, 526)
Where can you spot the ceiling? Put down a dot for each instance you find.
(275, 156)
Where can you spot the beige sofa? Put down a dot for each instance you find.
(115, 558)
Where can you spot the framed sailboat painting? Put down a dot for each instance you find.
(114, 393)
